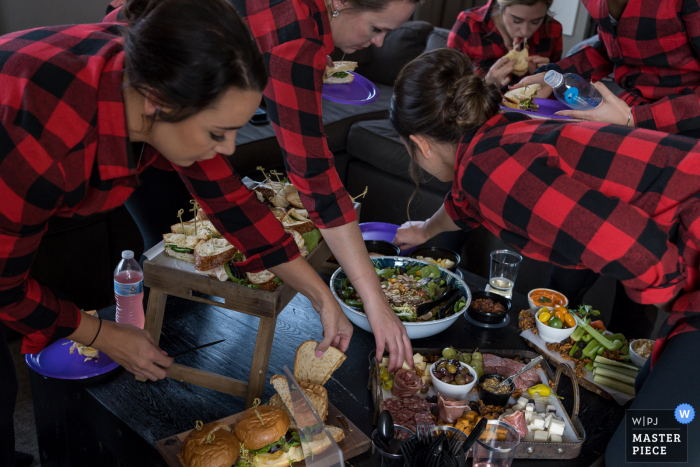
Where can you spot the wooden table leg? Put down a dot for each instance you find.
(261, 359)
(154, 316)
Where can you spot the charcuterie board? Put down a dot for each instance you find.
(574, 434)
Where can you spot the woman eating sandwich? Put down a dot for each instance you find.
(617, 200)
(86, 109)
(508, 39)
(296, 38)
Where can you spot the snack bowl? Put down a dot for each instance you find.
(488, 318)
(549, 334)
(534, 305)
(490, 398)
(382, 248)
(455, 391)
(415, 330)
(637, 359)
(438, 253)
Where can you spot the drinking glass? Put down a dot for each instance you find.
(496, 446)
(504, 270)
(382, 458)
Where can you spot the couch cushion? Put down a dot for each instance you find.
(437, 39)
(400, 47)
(377, 143)
(257, 144)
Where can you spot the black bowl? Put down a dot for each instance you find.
(382, 248)
(436, 253)
(488, 318)
(490, 398)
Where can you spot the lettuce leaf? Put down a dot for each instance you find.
(311, 239)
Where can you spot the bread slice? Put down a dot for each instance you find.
(339, 73)
(317, 395)
(205, 229)
(298, 214)
(299, 240)
(336, 432)
(279, 213)
(184, 243)
(294, 199)
(521, 66)
(300, 226)
(213, 253)
(309, 368)
(264, 279)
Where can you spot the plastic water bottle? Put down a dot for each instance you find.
(572, 90)
(128, 291)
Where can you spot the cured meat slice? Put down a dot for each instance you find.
(406, 383)
(451, 409)
(517, 421)
(491, 363)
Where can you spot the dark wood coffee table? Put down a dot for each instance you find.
(116, 421)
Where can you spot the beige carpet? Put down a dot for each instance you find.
(25, 429)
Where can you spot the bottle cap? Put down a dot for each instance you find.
(553, 78)
(127, 254)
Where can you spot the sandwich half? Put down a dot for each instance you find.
(520, 67)
(181, 246)
(522, 98)
(339, 73)
(213, 253)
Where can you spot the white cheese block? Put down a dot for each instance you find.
(530, 436)
(547, 420)
(522, 401)
(551, 409)
(530, 407)
(555, 438)
(541, 436)
(537, 422)
(517, 407)
(528, 417)
(508, 411)
(556, 427)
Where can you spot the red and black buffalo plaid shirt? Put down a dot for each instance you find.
(295, 38)
(476, 35)
(654, 53)
(617, 200)
(64, 151)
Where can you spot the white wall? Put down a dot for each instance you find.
(565, 10)
(17, 15)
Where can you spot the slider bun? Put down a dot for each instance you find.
(222, 451)
(253, 434)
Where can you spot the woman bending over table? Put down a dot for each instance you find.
(486, 34)
(86, 109)
(296, 37)
(617, 200)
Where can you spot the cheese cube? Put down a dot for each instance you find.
(530, 407)
(522, 400)
(530, 436)
(541, 436)
(539, 406)
(528, 417)
(406, 366)
(551, 409)
(517, 407)
(555, 438)
(417, 358)
(547, 420)
(556, 427)
(426, 379)
(385, 361)
(508, 411)
(421, 365)
(537, 422)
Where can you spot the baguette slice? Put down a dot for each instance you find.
(309, 368)
(317, 395)
(294, 199)
(299, 240)
(213, 253)
(205, 229)
(181, 241)
(263, 279)
(279, 213)
(300, 226)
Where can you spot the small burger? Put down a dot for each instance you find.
(522, 98)
(339, 73)
(210, 445)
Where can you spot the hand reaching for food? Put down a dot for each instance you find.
(337, 330)
(545, 90)
(534, 62)
(500, 72)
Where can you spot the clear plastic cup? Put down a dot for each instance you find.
(382, 458)
(503, 271)
(496, 446)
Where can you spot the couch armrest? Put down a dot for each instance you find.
(437, 39)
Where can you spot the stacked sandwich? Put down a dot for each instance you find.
(339, 73)
(88, 352)
(266, 435)
(522, 98)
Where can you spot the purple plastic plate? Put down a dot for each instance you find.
(548, 107)
(360, 92)
(381, 231)
(55, 361)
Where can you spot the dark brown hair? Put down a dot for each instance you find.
(439, 96)
(358, 6)
(186, 53)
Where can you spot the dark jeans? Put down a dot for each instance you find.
(8, 397)
(628, 317)
(673, 382)
(155, 203)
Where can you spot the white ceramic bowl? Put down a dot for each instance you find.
(549, 334)
(534, 305)
(453, 390)
(414, 330)
(637, 359)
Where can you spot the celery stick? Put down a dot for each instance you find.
(617, 385)
(607, 361)
(619, 369)
(614, 375)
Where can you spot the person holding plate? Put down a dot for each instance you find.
(296, 38)
(507, 39)
(617, 200)
(85, 110)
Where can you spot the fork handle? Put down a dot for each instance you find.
(533, 363)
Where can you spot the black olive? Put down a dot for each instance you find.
(581, 344)
(578, 353)
(434, 410)
(432, 399)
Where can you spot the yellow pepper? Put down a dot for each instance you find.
(544, 316)
(541, 389)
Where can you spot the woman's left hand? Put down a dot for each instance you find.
(611, 110)
(337, 330)
(535, 61)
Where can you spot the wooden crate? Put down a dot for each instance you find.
(354, 443)
(266, 305)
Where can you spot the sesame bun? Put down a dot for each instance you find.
(222, 450)
(254, 434)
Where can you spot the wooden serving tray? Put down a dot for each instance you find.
(354, 443)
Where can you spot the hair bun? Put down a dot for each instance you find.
(470, 99)
(135, 10)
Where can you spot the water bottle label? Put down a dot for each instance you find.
(126, 290)
(571, 95)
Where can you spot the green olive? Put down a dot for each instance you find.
(384, 376)
(388, 384)
(441, 366)
(451, 368)
(460, 380)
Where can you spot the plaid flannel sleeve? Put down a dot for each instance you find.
(457, 39)
(591, 62)
(238, 215)
(293, 98)
(678, 112)
(461, 214)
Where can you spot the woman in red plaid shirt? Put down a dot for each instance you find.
(486, 34)
(85, 109)
(619, 201)
(296, 38)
